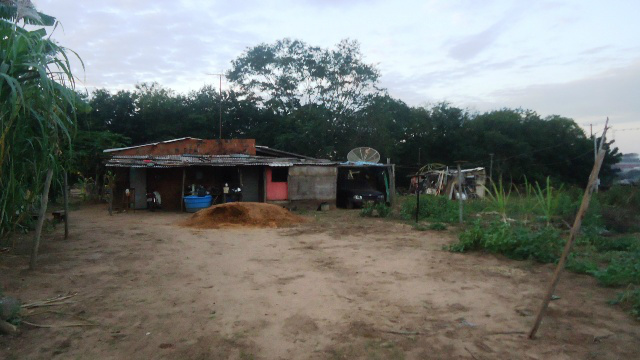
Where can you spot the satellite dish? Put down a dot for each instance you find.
(364, 154)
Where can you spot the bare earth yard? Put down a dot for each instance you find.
(336, 287)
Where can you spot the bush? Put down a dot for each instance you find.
(581, 263)
(624, 243)
(438, 227)
(434, 208)
(516, 242)
(470, 239)
(623, 270)
(379, 210)
(629, 298)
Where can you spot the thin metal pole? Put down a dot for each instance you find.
(418, 198)
(491, 168)
(595, 158)
(220, 107)
(460, 192)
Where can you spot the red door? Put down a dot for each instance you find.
(277, 185)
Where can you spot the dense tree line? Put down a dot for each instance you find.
(319, 102)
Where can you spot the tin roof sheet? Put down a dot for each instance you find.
(169, 161)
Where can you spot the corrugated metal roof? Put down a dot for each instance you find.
(275, 152)
(169, 161)
(150, 144)
(361, 163)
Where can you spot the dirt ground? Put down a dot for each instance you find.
(336, 287)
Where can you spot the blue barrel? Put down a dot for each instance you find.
(194, 203)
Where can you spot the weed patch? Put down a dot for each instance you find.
(375, 210)
(432, 208)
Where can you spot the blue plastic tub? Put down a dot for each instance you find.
(194, 203)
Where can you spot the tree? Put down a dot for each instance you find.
(289, 74)
(37, 110)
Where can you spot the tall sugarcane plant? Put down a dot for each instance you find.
(37, 109)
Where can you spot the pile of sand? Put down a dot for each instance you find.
(238, 214)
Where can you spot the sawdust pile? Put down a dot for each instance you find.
(241, 214)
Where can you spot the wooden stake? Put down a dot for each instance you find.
(586, 198)
(44, 201)
(184, 176)
(66, 206)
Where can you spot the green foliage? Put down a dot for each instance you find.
(500, 198)
(629, 298)
(438, 227)
(516, 242)
(581, 263)
(547, 201)
(375, 209)
(622, 270)
(291, 73)
(432, 208)
(433, 226)
(322, 102)
(37, 111)
(621, 243)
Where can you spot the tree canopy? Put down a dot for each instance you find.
(323, 102)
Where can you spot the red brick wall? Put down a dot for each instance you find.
(193, 146)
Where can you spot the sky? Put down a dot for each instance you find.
(579, 59)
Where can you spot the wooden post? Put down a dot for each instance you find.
(586, 198)
(184, 176)
(460, 192)
(392, 184)
(66, 206)
(110, 201)
(44, 201)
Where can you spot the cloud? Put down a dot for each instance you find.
(590, 100)
(610, 93)
(469, 47)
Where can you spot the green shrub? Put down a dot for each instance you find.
(627, 197)
(544, 245)
(547, 200)
(379, 210)
(622, 270)
(581, 263)
(516, 242)
(367, 210)
(420, 227)
(500, 198)
(470, 239)
(630, 298)
(438, 227)
(623, 243)
(433, 208)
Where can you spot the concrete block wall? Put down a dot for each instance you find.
(318, 183)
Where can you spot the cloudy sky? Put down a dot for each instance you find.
(579, 59)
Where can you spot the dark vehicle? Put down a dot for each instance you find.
(153, 200)
(355, 198)
(357, 187)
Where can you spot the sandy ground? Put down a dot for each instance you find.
(337, 287)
